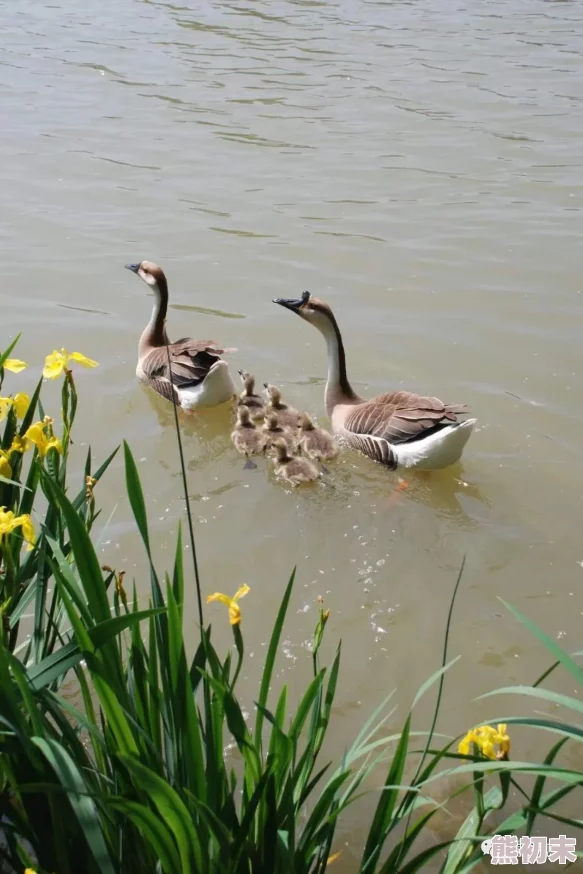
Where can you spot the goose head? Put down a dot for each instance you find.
(149, 272)
(305, 422)
(310, 309)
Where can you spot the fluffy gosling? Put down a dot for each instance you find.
(315, 442)
(292, 469)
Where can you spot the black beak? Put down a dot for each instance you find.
(293, 304)
(133, 267)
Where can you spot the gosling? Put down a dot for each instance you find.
(315, 442)
(273, 431)
(248, 398)
(247, 437)
(287, 416)
(292, 469)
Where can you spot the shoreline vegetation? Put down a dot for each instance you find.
(137, 779)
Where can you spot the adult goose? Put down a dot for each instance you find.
(399, 429)
(197, 376)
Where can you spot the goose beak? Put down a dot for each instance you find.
(133, 267)
(291, 303)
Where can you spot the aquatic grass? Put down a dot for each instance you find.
(159, 769)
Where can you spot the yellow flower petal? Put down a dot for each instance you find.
(218, 596)
(21, 404)
(333, 857)
(15, 365)
(54, 364)
(82, 359)
(5, 469)
(241, 592)
(5, 404)
(28, 531)
(18, 445)
(231, 603)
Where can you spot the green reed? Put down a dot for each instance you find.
(137, 777)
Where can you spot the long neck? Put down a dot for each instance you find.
(154, 334)
(338, 389)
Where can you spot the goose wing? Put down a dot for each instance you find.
(190, 362)
(397, 417)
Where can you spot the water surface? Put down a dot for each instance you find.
(418, 164)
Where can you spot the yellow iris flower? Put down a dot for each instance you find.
(5, 467)
(20, 402)
(493, 743)
(56, 363)
(9, 522)
(15, 365)
(231, 603)
(36, 434)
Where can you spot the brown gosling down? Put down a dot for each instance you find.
(248, 398)
(315, 442)
(292, 469)
(273, 431)
(287, 416)
(247, 437)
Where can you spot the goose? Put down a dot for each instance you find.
(248, 398)
(200, 377)
(315, 442)
(247, 437)
(287, 416)
(399, 429)
(292, 469)
(273, 431)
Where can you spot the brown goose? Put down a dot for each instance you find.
(400, 429)
(292, 469)
(287, 416)
(315, 442)
(200, 377)
(248, 398)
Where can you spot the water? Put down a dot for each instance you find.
(416, 164)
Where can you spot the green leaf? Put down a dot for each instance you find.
(173, 812)
(568, 663)
(270, 660)
(153, 828)
(543, 694)
(82, 806)
(469, 829)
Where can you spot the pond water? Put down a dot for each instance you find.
(417, 164)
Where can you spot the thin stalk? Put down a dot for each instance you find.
(185, 484)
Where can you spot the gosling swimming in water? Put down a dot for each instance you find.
(273, 431)
(292, 469)
(315, 442)
(287, 416)
(248, 398)
(247, 437)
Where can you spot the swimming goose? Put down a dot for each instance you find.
(292, 469)
(247, 437)
(287, 416)
(273, 431)
(200, 377)
(248, 398)
(400, 429)
(315, 442)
